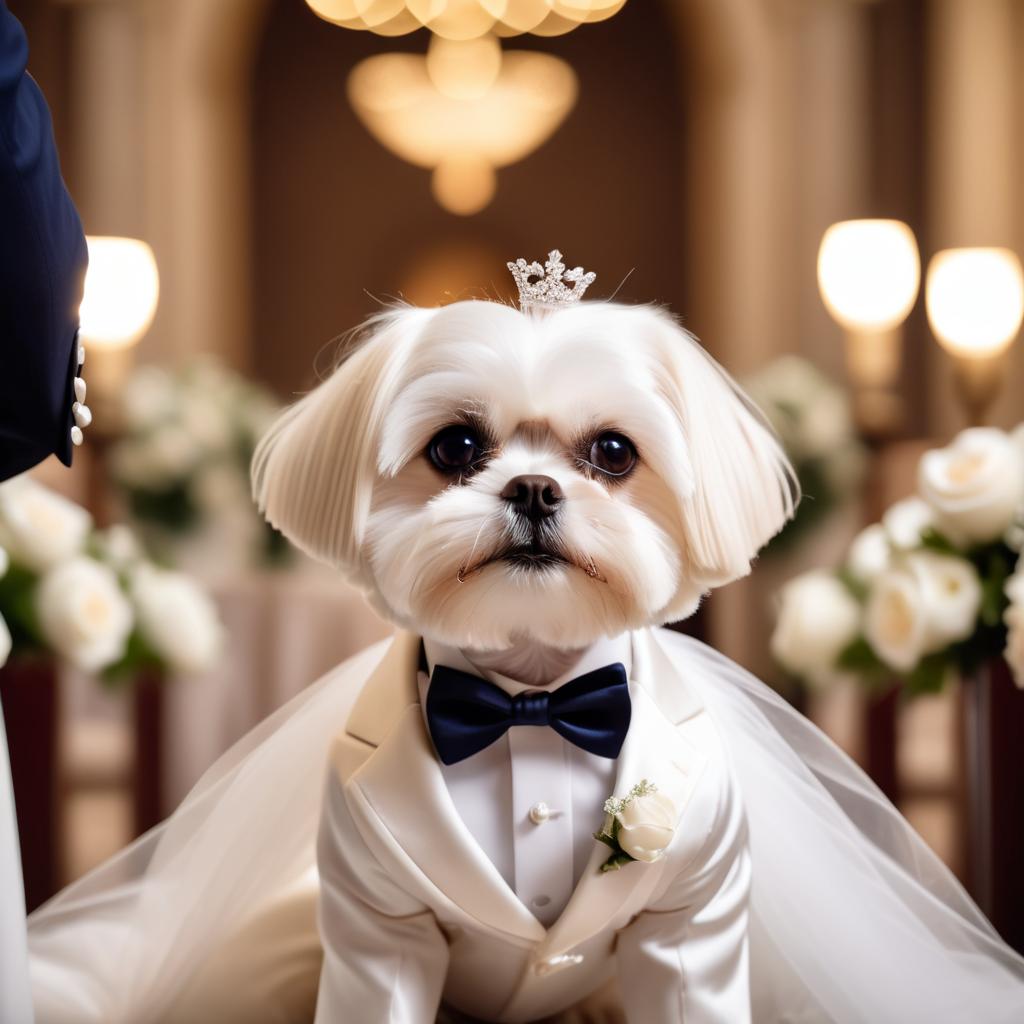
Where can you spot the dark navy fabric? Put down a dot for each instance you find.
(465, 714)
(42, 267)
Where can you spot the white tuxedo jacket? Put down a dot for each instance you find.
(412, 912)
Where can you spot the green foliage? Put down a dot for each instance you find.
(994, 563)
(932, 540)
(138, 657)
(17, 605)
(615, 862)
(819, 499)
(929, 675)
(171, 507)
(858, 656)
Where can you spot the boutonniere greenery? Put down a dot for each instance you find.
(637, 826)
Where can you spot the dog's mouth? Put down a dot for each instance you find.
(532, 557)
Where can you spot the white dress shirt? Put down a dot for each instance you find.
(532, 800)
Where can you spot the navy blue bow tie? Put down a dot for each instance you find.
(465, 714)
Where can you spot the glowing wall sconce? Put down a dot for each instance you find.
(869, 273)
(122, 288)
(975, 302)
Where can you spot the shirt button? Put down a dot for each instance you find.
(539, 813)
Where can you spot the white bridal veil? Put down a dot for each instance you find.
(854, 919)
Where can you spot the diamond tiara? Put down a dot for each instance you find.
(553, 286)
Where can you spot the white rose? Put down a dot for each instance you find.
(206, 420)
(825, 424)
(952, 594)
(150, 398)
(1017, 437)
(177, 618)
(894, 620)
(976, 485)
(119, 547)
(156, 460)
(5, 561)
(646, 825)
(920, 606)
(219, 487)
(83, 613)
(869, 553)
(818, 617)
(39, 527)
(905, 521)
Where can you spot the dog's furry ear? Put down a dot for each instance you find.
(313, 471)
(741, 489)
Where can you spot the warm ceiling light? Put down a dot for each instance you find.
(975, 300)
(465, 19)
(869, 273)
(464, 185)
(121, 291)
(396, 98)
(464, 70)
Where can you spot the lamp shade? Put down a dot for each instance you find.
(975, 300)
(121, 291)
(869, 273)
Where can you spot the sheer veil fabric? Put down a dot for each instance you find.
(853, 918)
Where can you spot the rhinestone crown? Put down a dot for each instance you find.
(550, 285)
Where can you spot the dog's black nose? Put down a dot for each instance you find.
(535, 497)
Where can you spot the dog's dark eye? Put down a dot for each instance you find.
(613, 454)
(456, 449)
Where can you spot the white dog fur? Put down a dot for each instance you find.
(344, 473)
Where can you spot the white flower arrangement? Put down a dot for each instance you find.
(91, 597)
(812, 416)
(182, 465)
(931, 588)
(638, 826)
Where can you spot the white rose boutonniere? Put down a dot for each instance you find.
(638, 826)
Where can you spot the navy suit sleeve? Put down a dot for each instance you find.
(42, 267)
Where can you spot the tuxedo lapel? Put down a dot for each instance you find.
(654, 750)
(407, 801)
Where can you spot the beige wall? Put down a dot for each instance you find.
(779, 105)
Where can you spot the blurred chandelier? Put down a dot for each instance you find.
(465, 19)
(462, 111)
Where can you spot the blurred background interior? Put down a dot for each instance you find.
(289, 173)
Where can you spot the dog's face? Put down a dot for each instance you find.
(489, 475)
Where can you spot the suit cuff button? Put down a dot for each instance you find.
(557, 963)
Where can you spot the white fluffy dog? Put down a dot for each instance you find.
(526, 493)
(397, 468)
